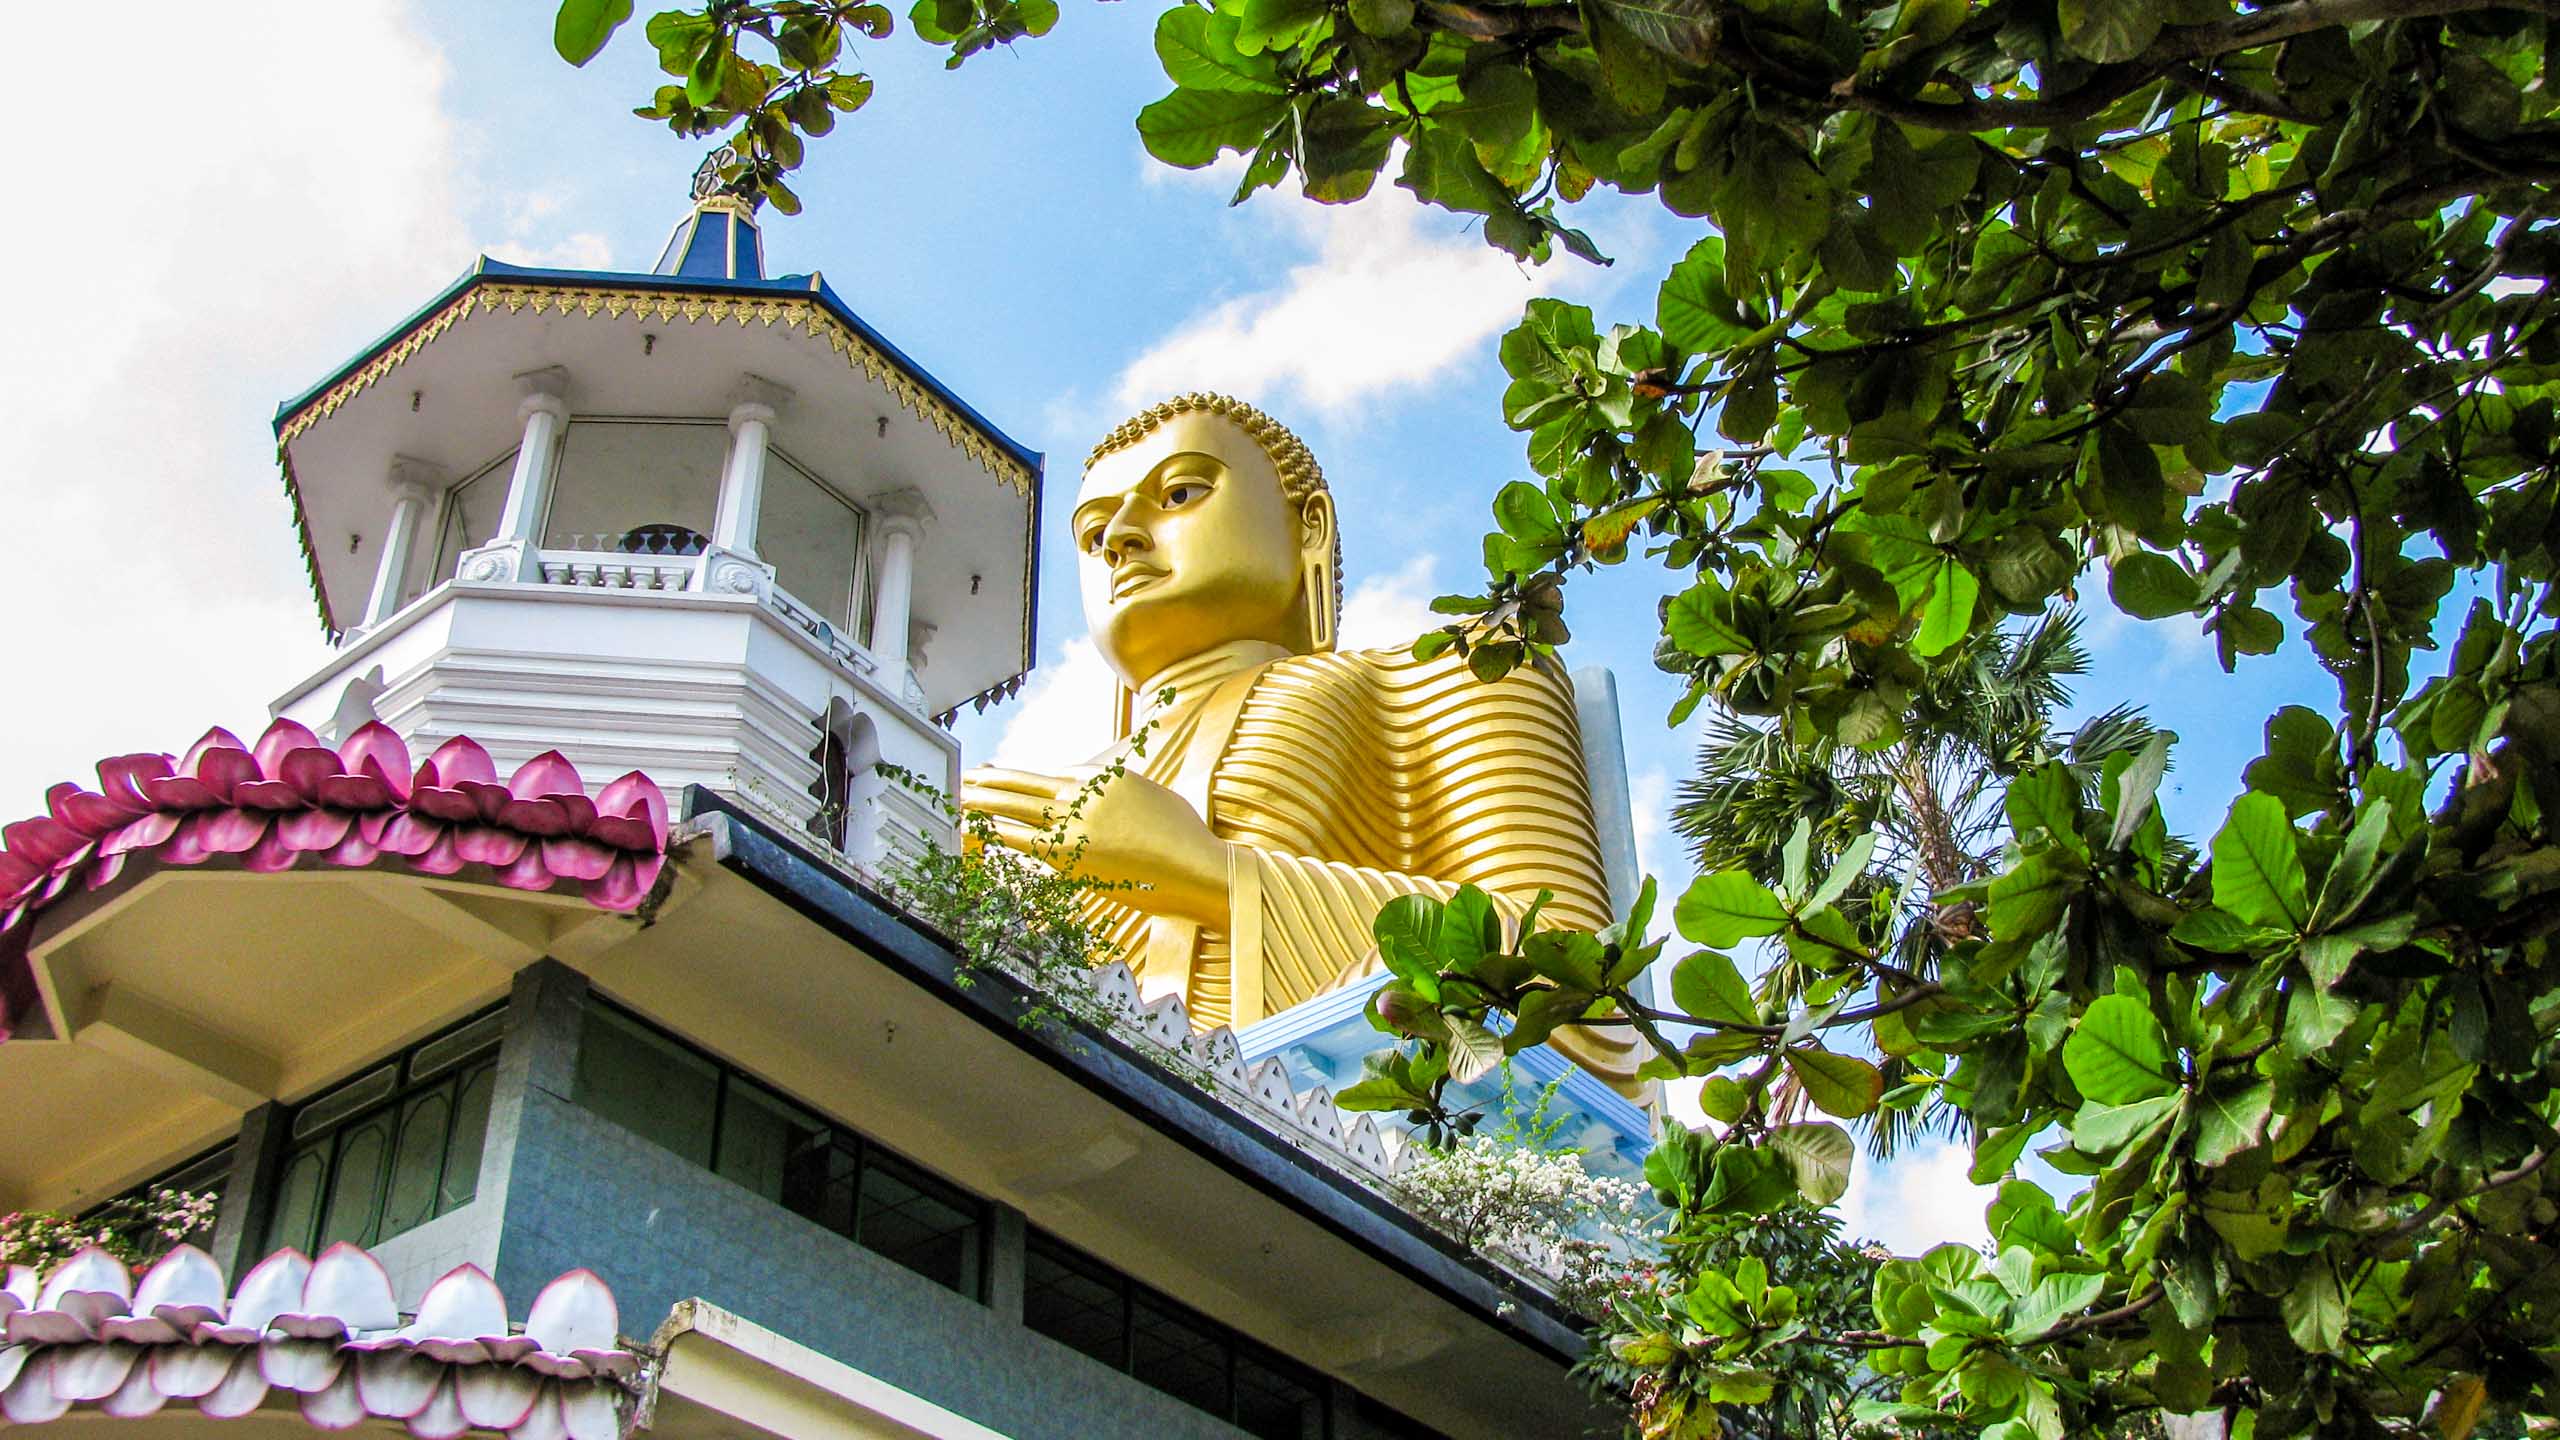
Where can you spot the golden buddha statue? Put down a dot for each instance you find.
(1285, 791)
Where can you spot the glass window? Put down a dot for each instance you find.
(1076, 1301)
(392, 1149)
(1275, 1400)
(932, 1228)
(770, 1145)
(1082, 1303)
(813, 537)
(1179, 1355)
(647, 1084)
(637, 485)
(658, 1087)
(471, 513)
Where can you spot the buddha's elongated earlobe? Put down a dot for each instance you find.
(1316, 584)
(1319, 589)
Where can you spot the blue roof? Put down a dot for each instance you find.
(812, 285)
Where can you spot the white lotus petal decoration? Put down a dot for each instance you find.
(589, 1410)
(461, 1311)
(348, 1291)
(93, 1372)
(302, 1366)
(397, 1383)
(496, 1397)
(190, 1372)
(32, 1398)
(442, 1419)
(137, 1396)
(240, 1392)
(272, 1286)
(338, 1406)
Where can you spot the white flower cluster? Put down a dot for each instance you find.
(1538, 1205)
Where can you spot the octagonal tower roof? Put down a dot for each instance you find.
(440, 391)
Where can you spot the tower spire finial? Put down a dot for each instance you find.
(719, 237)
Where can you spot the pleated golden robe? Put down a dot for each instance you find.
(1344, 780)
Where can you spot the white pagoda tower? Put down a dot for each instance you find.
(701, 523)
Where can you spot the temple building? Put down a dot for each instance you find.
(531, 995)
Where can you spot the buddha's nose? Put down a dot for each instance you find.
(1124, 537)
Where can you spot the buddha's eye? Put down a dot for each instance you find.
(1091, 541)
(1183, 492)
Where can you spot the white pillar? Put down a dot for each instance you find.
(901, 518)
(399, 539)
(545, 412)
(742, 484)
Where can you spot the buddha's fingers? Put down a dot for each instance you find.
(1029, 839)
(1040, 810)
(1022, 782)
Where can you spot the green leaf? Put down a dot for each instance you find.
(1727, 908)
(1275, 24)
(1685, 30)
(1845, 871)
(1693, 310)
(1722, 1099)
(1841, 1085)
(2054, 1299)
(2102, 1129)
(2230, 1120)
(1473, 1051)
(1948, 617)
(2136, 787)
(2150, 586)
(1526, 515)
(1700, 622)
(2257, 865)
(2117, 1053)
(1542, 1012)
(1189, 128)
(1198, 51)
(1708, 986)
(1820, 1154)
(1408, 934)
(2315, 1311)
(1382, 19)
(582, 27)
(1469, 929)
(2110, 31)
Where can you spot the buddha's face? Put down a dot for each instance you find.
(1185, 542)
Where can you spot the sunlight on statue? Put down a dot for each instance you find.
(1286, 791)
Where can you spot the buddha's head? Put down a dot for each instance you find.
(1203, 522)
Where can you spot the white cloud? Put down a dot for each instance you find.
(1064, 718)
(1918, 1199)
(1386, 612)
(585, 250)
(155, 586)
(1394, 296)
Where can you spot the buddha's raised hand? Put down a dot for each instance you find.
(1125, 831)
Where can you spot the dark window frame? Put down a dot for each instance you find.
(452, 1073)
(1132, 1294)
(850, 1141)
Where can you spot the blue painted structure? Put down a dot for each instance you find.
(1322, 1040)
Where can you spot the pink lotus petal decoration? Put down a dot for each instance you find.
(290, 800)
(320, 1332)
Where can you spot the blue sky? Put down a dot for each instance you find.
(1000, 223)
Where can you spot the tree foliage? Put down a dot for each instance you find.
(2236, 311)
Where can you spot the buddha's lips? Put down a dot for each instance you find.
(1128, 579)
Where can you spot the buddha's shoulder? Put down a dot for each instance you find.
(1397, 672)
